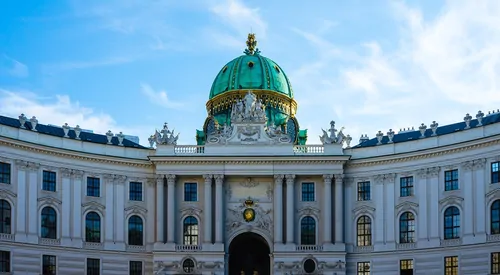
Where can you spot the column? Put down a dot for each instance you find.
(150, 205)
(378, 197)
(108, 187)
(32, 200)
(171, 209)
(208, 209)
(327, 209)
(421, 193)
(389, 198)
(219, 179)
(21, 201)
(466, 184)
(66, 202)
(434, 215)
(339, 209)
(480, 188)
(119, 213)
(160, 206)
(278, 208)
(290, 225)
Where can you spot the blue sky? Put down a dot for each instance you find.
(130, 65)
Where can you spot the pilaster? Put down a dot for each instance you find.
(278, 209)
(150, 205)
(208, 209)
(32, 201)
(219, 180)
(327, 209)
(434, 215)
(421, 193)
(22, 190)
(66, 210)
(171, 225)
(290, 205)
(480, 184)
(77, 236)
(339, 209)
(160, 206)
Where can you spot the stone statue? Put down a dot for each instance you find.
(259, 109)
(165, 136)
(333, 137)
(250, 100)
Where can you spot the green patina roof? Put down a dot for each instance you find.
(251, 71)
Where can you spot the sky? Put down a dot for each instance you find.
(131, 65)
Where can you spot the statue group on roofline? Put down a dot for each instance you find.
(333, 138)
(165, 136)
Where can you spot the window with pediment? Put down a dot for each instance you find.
(49, 223)
(307, 231)
(190, 231)
(135, 230)
(93, 227)
(5, 217)
(495, 217)
(451, 223)
(364, 231)
(407, 227)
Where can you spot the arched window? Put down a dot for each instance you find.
(188, 266)
(407, 228)
(135, 230)
(5, 217)
(308, 231)
(364, 231)
(190, 231)
(93, 227)
(495, 217)
(451, 223)
(49, 223)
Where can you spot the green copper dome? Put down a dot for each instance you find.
(251, 71)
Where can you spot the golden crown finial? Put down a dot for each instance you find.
(251, 44)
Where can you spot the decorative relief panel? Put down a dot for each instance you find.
(451, 200)
(190, 211)
(309, 211)
(237, 216)
(135, 209)
(362, 210)
(93, 206)
(407, 206)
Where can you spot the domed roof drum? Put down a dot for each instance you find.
(256, 73)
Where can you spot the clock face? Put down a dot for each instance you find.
(249, 214)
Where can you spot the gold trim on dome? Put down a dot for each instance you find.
(269, 97)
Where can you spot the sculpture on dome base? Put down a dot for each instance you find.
(165, 137)
(248, 109)
(334, 138)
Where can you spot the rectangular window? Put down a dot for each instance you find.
(495, 263)
(4, 172)
(49, 181)
(93, 266)
(451, 265)
(406, 186)
(93, 187)
(135, 191)
(363, 268)
(135, 268)
(5, 261)
(495, 172)
(49, 265)
(364, 191)
(308, 191)
(451, 180)
(190, 191)
(406, 267)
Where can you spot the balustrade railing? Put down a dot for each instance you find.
(309, 248)
(6, 237)
(187, 247)
(189, 149)
(308, 149)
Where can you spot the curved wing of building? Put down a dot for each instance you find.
(251, 197)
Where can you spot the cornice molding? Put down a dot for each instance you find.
(419, 155)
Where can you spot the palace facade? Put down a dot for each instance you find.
(251, 197)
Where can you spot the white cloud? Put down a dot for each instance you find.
(441, 69)
(62, 110)
(159, 97)
(12, 67)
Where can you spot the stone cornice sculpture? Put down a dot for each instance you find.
(334, 138)
(163, 137)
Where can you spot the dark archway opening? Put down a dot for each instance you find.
(249, 252)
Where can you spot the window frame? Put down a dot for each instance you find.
(190, 193)
(495, 172)
(5, 173)
(131, 268)
(49, 256)
(138, 227)
(364, 191)
(451, 180)
(495, 264)
(409, 266)
(406, 186)
(89, 238)
(7, 261)
(451, 266)
(455, 229)
(308, 191)
(364, 239)
(495, 217)
(93, 185)
(5, 207)
(188, 229)
(135, 194)
(49, 235)
(93, 272)
(308, 237)
(49, 179)
(409, 231)
(360, 268)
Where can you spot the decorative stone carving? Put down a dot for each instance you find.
(165, 136)
(479, 163)
(407, 206)
(339, 138)
(479, 117)
(219, 179)
(270, 192)
(21, 165)
(109, 136)
(77, 174)
(263, 218)
(422, 130)
(66, 130)
(385, 178)
(467, 120)
(308, 211)
(151, 182)
(249, 183)
(339, 265)
(34, 123)
(33, 167)
(7, 194)
(451, 200)
(120, 137)
(390, 135)
(361, 210)
(77, 130)
(433, 171)
(190, 211)
(422, 173)
(93, 206)
(363, 138)
(50, 200)
(248, 109)
(328, 178)
(467, 165)
(379, 136)
(434, 125)
(22, 120)
(170, 178)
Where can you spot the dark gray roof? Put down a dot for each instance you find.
(443, 130)
(59, 132)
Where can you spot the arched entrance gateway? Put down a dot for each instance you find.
(249, 252)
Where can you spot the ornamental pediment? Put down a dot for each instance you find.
(93, 205)
(7, 194)
(136, 209)
(407, 206)
(50, 200)
(308, 211)
(190, 211)
(453, 199)
(363, 209)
